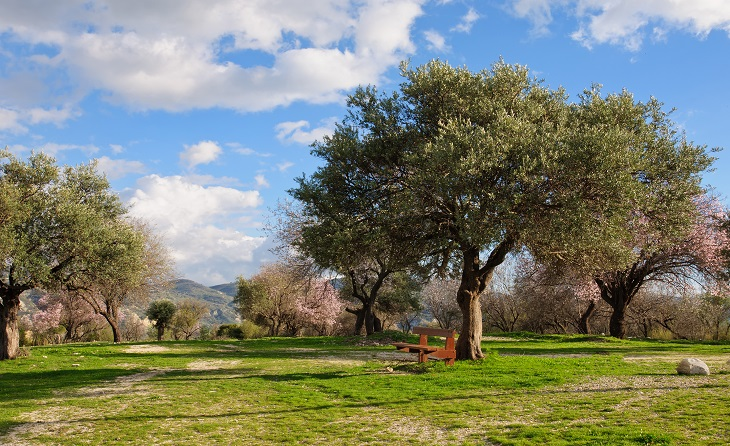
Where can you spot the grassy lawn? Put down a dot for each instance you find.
(546, 390)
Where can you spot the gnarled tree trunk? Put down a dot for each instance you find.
(585, 316)
(9, 331)
(618, 294)
(474, 280)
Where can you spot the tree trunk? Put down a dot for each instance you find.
(359, 320)
(160, 331)
(366, 318)
(474, 280)
(369, 319)
(469, 344)
(377, 324)
(9, 332)
(618, 294)
(617, 325)
(116, 334)
(583, 327)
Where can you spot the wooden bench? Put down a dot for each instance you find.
(447, 353)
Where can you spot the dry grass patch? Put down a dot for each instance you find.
(146, 348)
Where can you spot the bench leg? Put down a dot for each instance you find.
(422, 357)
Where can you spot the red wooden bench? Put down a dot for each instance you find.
(425, 351)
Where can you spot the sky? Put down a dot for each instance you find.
(201, 113)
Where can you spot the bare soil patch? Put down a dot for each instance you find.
(146, 348)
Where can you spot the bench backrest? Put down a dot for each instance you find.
(434, 332)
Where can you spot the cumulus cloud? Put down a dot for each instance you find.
(628, 22)
(204, 152)
(181, 55)
(10, 121)
(16, 120)
(467, 21)
(261, 181)
(115, 169)
(206, 228)
(299, 131)
(436, 42)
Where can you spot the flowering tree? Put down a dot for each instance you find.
(565, 297)
(286, 302)
(46, 321)
(690, 259)
(319, 307)
(438, 298)
(75, 315)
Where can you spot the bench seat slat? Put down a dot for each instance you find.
(447, 353)
(414, 348)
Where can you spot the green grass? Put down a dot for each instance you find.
(547, 390)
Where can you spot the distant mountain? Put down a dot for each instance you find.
(218, 299)
(229, 288)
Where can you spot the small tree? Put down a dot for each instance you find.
(186, 320)
(280, 298)
(132, 262)
(161, 311)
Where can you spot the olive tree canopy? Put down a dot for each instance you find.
(462, 168)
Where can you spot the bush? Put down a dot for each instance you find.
(244, 330)
(251, 330)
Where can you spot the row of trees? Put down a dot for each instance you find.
(458, 170)
(182, 318)
(63, 230)
(520, 298)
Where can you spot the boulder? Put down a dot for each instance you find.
(692, 366)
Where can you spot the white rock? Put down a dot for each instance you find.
(692, 366)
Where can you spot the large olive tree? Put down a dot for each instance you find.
(466, 167)
(49, 219)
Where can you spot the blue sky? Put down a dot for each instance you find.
(201, 112)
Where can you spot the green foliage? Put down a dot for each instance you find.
(244, 330)
(58, 228)
(249, 297)
(460, 165)
(185, 322)
(162, 312)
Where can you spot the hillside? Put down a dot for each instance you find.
(217, 298)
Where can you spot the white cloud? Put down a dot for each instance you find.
(467, 21)
(54, 149)
(16, 120)
(283, 167)
(115, 169)
(299, 132)
(436, 42)
(116, 148)
(628, 22)
(539, 12)
(261, 181)
(55, 116)
(10, 121)
(204, 152)
(182, 55)
(205, 227)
